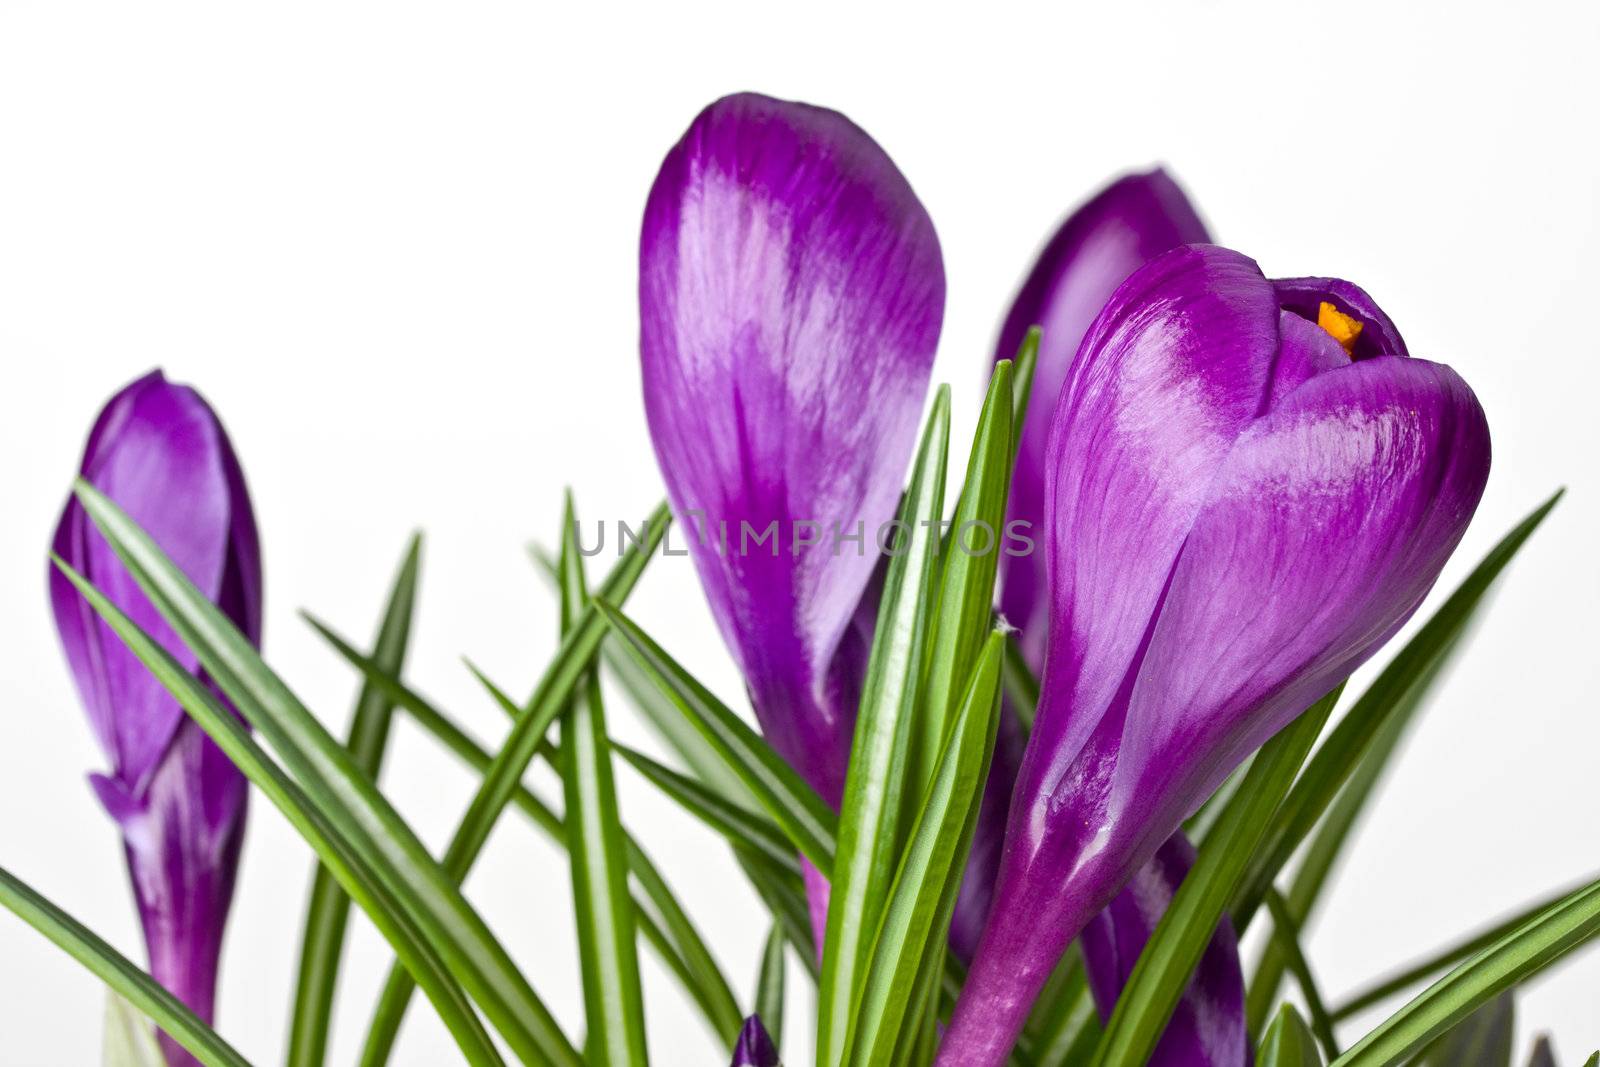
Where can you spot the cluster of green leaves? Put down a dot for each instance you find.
(894, 852)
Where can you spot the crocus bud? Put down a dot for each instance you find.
(158, 450)
(790, 295)
(1115, 232)
(1208, 1027)
(755, 1047)
(1251, 488)
(1130, 222)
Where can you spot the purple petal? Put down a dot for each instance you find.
(182, 840)
(1208, 1028)
(1199, 606)
(791, 292)
(1304, 296)
(158, 451)
(755, 1048)
(1120, 229)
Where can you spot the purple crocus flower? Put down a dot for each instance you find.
(791, 292)
(158, 450)
(1117, 231)
(755, 1047)
(1250, 488)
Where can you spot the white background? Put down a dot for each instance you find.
(395, 245)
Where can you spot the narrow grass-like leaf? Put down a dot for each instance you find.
(561, 680)
(328, 909)
(1066, 1032)
(1286, 935)
(1022, 688)
(771, 984)
(1482, 1039)
(803, 815)
(1026, 361)
(917, 914)
(966, 579)
(662, 715)
(1180, 938)
(785, 897)
(665, 924)
(128, 1040)
(740, 827)
(1513, 959)
(346, 796)
(613, 1002)
(393, 918)
(117, 972)
(1333, 831)
(1289, 1042)
(1355, 734)
(870, 819)
(1448, 957)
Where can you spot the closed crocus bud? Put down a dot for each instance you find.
(791, 292)
(1250, 488)
(1208, 1027)
(755, 1047)
(1117, 231)
(159, 452)
(1127, 224)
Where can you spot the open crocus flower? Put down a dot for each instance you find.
(158, 450)
(791, 292)
(1117, 231)
(755, 1047)
(1250, 488)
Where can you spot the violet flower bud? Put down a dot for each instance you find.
(1251, 488)
(158, 450)
(1120, 229)
(790, 292)
(1110, 236)
(755, 1047)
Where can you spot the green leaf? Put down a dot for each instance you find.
(740, 827)
(1181, 937)
(1357, 732)
(680, 945)
(1064, 1026)
(804, 816)
(1332, 832)
(1288, 1043)
(1027, 360)
(770, 985)
(345, 796)
(870, 829)
(785, 898)
(613, 1002)
(117, 972)
(1542, 1055)
(1022, 688)
(328, 909)
(1482, 1039)
(561, 680)
(662, 715)
(357, 875)
(966, 582)
(1286, 935)
(1511, 960)
(128, 1041)
(1449, 956)
(1593, 1061)
(924, 890)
